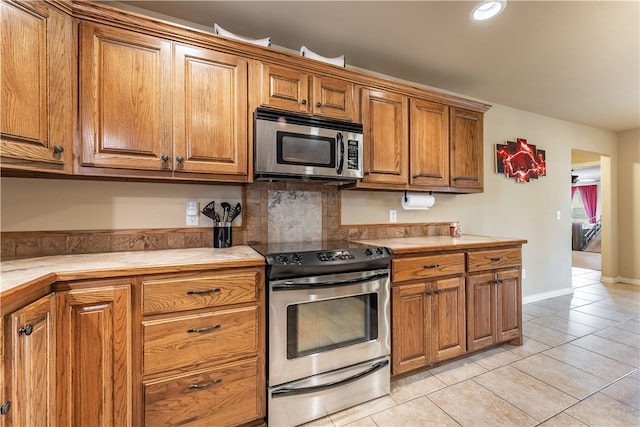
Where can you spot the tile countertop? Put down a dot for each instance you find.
(408, 245)
(44, 271)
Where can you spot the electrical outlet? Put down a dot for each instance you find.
(524, 273)
(558, 215)
(393, 215)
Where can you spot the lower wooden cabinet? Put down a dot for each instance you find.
(30, 365)
(428, 323)
(94, 354)
(494, 308)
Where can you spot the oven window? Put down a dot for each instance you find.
(314, 327)
(305, 150)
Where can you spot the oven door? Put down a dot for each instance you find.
(322, 323)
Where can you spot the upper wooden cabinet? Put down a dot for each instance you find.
(37, 82)
(466, 162)
(428, 144)
(384, 118)
(136, 116)
(299, 91)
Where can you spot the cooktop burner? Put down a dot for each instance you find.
(293, 259)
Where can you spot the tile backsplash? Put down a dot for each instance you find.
(273, 211)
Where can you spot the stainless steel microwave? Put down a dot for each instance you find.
(295, 146)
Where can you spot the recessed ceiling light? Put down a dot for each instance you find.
(488, 9)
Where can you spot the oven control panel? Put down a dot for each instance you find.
(335, 256)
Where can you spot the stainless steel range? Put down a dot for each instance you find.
(329, 328)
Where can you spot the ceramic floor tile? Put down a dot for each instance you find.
(414, 386)
(320, 422)
(632, 339)
(470, 404)
(565, 325)
(614, 350)
(361, 411)
(606, 313)
(632, 325)
(626, 391)
(528, 348)
(364, 422)
(560, 375)
(536, 310)
(494, 358)
(587, 296)
(417, 412)
(562, 420)
(601, 366)
(534, 397)
(588, 319)
(456, 371)
(597, 289)
(545, 335)
(601, 410)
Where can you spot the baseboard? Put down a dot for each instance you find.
(620, 279)
(547, 295)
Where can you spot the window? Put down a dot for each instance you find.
(578, 211)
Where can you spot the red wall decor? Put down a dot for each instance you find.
(520, 160)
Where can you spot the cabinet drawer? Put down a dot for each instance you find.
(189, 293)
(223, 396)
(489, 260)
(191, 340)
(425, 267)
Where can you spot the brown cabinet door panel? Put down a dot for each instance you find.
(284, 88)
(509, 300)
(210, 112)
(95, 358)
(429, 144)
(125, 98)
(333, 98)
(481, 312)
(31, 367)
(385, 117)
(449, 338)
(466, 149)
(200, 338)
(411, 324)
(223, 396)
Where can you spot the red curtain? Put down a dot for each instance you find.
(589, 195)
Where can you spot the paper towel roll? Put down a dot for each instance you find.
(417, 201)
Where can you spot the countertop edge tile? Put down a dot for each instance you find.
(409, 245)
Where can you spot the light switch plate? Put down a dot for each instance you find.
(393, 215)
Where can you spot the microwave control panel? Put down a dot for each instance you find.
(353, 155)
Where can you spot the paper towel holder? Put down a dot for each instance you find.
(405, 195)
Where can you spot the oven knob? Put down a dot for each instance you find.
(368, 252)
(296, 258)
(379, 251)
(283, 259)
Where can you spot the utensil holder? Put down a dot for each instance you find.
(222, 235)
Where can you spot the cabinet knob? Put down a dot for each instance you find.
(303, 102)
(5, 408)
(318, 104)
(58, 149)
(366, 173)
(165, 158)
(180, 159)
(27, 330)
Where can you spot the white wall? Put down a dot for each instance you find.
(507, 208)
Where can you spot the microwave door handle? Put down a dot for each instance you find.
(340, 153)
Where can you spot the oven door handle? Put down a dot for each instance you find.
(295, 286)
(286, 391)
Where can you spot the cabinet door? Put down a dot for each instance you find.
(95, 356)
(210, 112)
(449, 336)
(481, 312)
(333, 98)
(509, 309)
(284, 88)
(429, 144)
(411, 327)
(31, 370)
(38, 74)
(125, 99)
(467, 170)
(385, 119)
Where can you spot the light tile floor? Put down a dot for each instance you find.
(578, 366)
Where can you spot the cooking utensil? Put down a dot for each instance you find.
(225, 215)
(234, 212)
(209, 210)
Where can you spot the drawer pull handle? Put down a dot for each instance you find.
(207, 385)
(431, 266)
(27, 330)
(205, 291)
(210, 328)
(497, 259)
